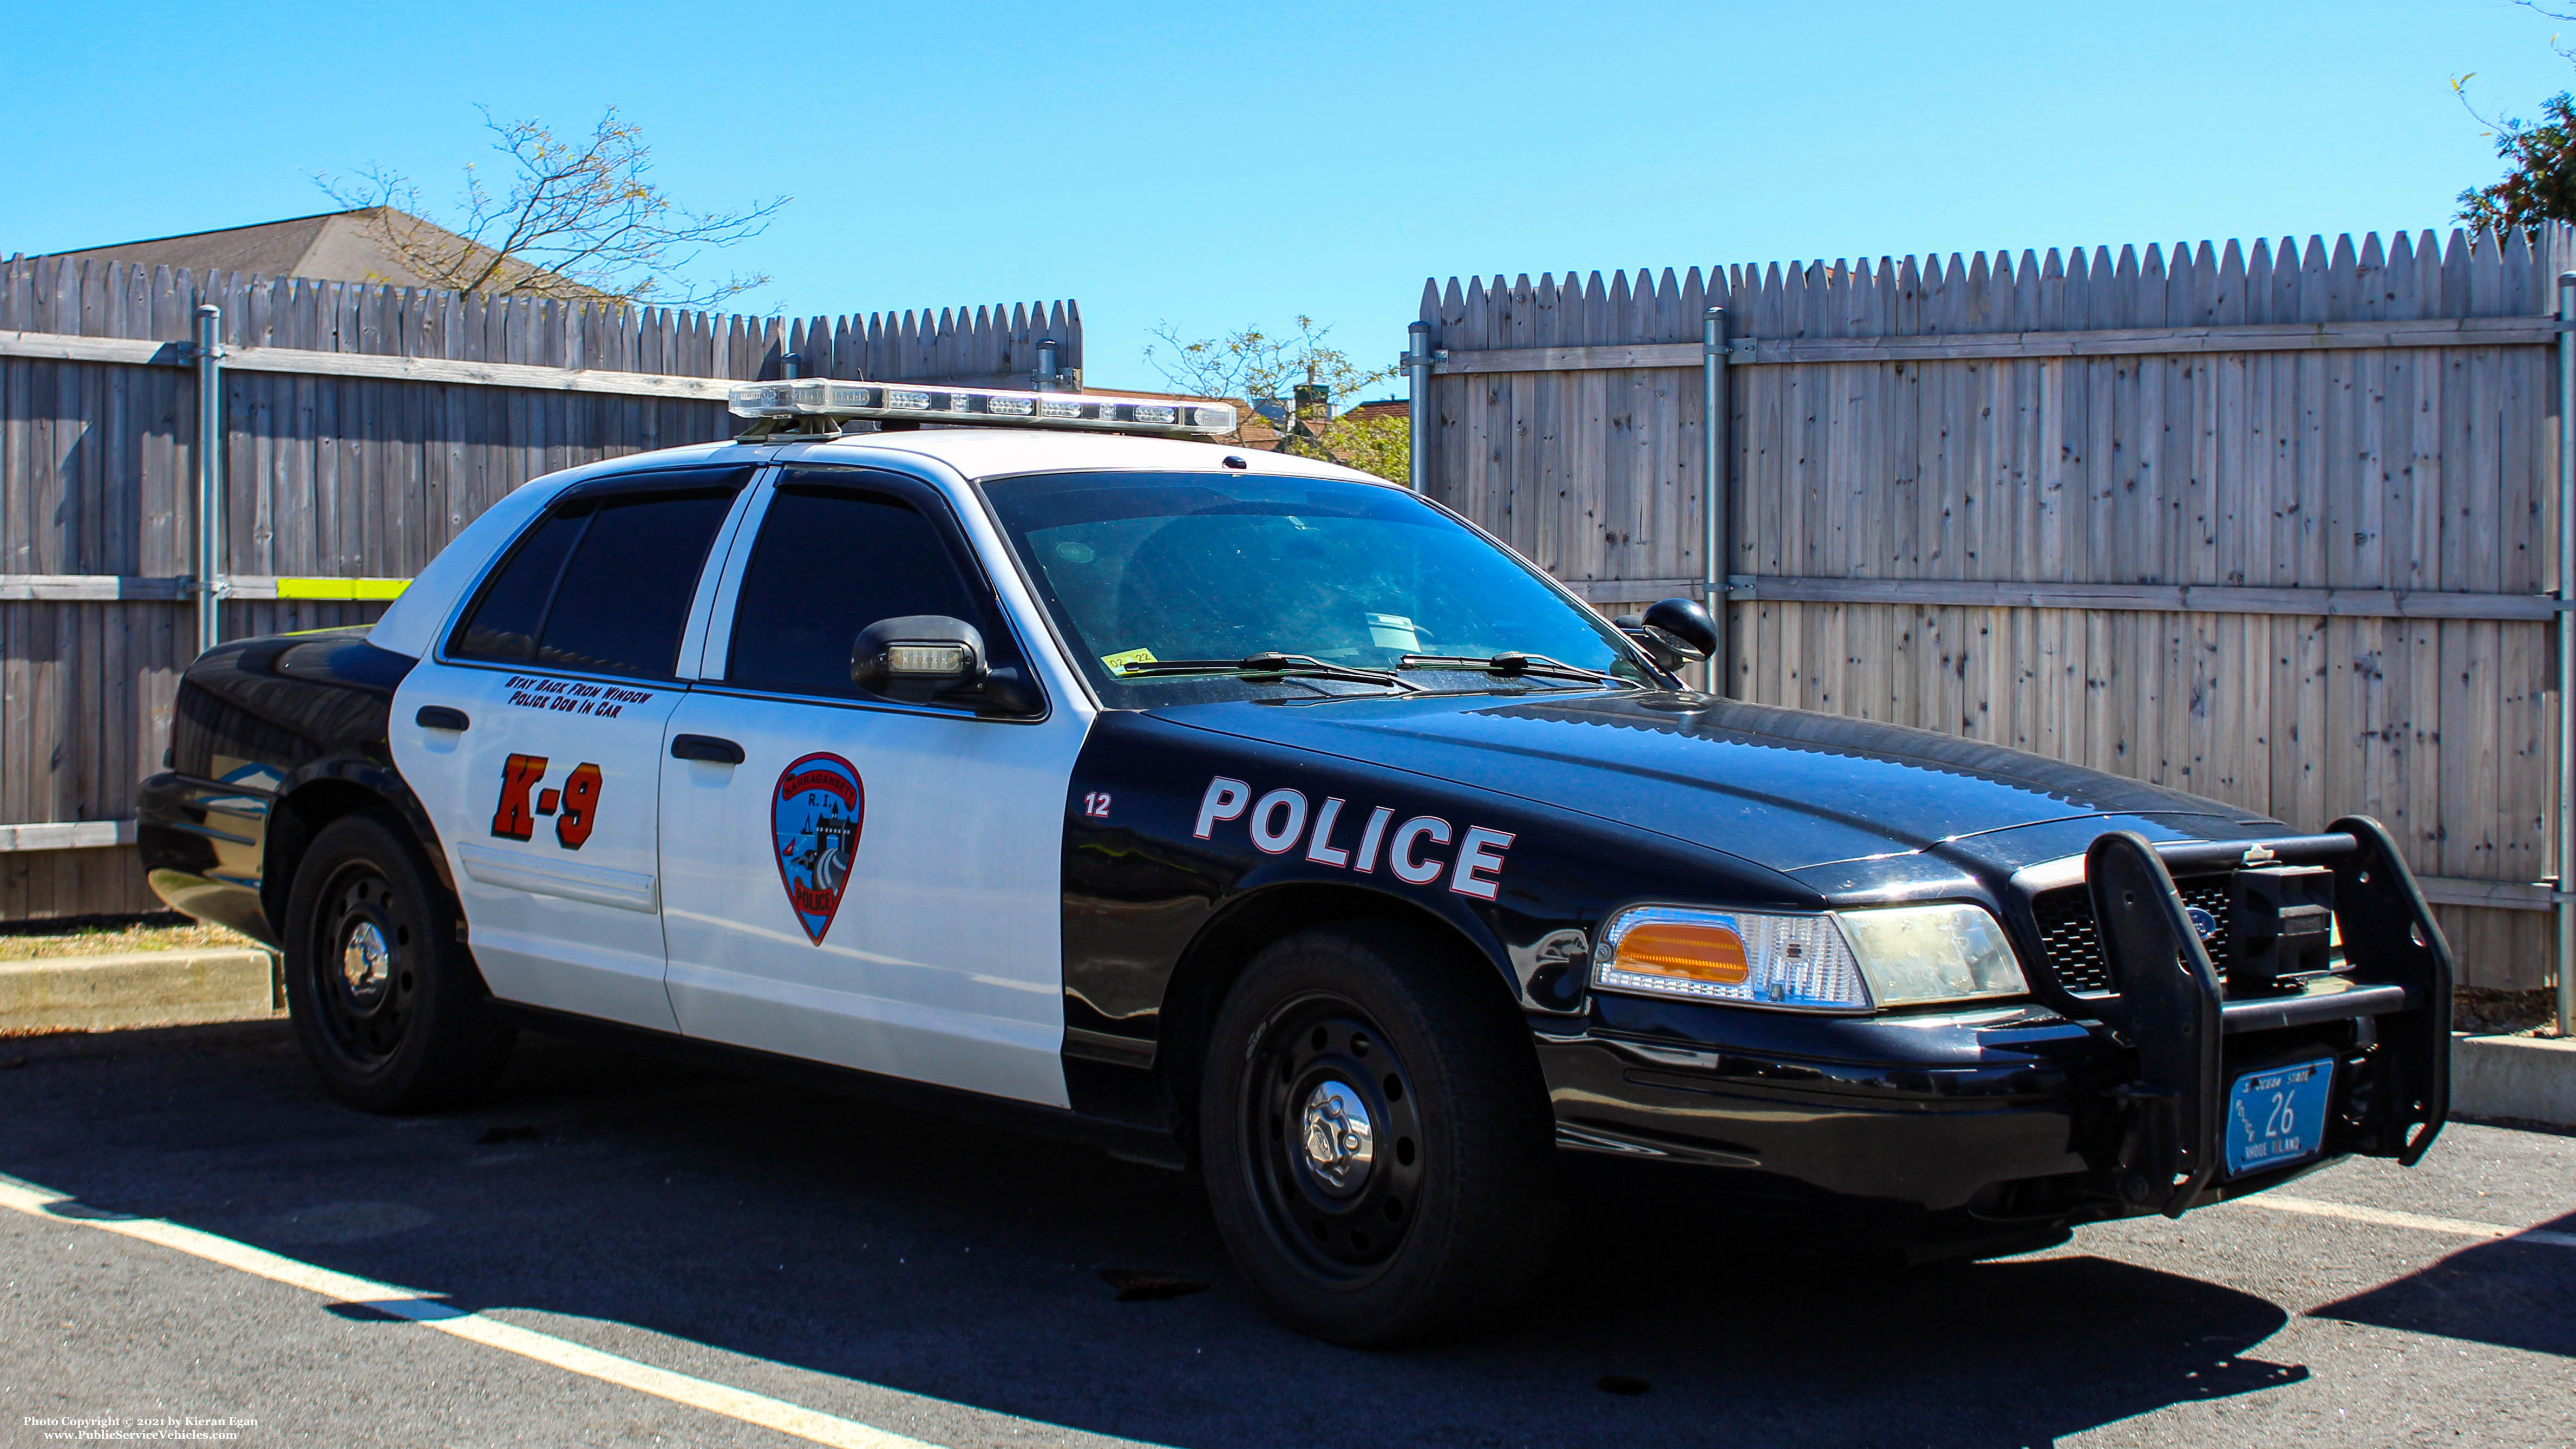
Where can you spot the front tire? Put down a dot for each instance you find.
(385, 1000)
(1376, 1138)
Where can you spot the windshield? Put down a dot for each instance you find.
(1156, 567)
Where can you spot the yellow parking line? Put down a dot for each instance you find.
(385, 1298)
(2383, 1217)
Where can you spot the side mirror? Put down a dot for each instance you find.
(1685, 626)
(922, 658)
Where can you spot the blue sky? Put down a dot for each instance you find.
(1212, 166)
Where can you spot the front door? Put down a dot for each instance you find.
(873, 885)
(533, 736)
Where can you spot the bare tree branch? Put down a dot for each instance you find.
(581, 220)
(1259, 366)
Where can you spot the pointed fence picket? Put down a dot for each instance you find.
(330, 476)
(2265, 522)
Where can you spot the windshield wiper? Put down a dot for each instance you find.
(1510, 665)
(1269, 664)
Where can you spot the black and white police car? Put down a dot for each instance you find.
(1240, 811)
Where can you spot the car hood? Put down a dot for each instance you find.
(1783, 788)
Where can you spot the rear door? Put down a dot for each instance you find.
(533, 736)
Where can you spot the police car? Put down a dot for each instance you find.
(1058, 767)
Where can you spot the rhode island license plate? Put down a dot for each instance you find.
(2277, 1116)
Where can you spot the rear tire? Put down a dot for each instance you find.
(385, 1000)
(1377, 1141)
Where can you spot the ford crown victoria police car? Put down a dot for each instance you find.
(1241, 811)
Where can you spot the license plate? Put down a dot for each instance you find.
(2277, 1116)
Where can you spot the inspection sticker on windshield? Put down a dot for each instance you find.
(1118, 662)
(2277, 1116)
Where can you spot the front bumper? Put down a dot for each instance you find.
(2063, 1110)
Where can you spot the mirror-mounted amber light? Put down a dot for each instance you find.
(1683, 951)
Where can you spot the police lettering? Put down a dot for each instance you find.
(1280, 818)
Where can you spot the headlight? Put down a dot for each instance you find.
(1932, 953)
(1837, 961)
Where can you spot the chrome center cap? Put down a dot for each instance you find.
(366, 962)
(1337, 1137)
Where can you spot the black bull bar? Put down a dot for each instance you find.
(2172, 1011)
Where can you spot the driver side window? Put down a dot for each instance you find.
(832, 559)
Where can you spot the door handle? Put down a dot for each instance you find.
(709, 748)
(440, 717)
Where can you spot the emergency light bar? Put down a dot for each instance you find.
(823, 397)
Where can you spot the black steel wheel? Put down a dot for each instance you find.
(385, 1000)
(1375, 1137)
(1339, 1166)
(362, 957)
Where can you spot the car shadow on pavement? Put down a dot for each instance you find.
(2496, 1292)
(618, 1192)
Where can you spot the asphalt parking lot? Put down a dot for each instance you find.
(749, 1252)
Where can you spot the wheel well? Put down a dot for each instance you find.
(300, 816)
(1209, 967)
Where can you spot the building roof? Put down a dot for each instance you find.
(363, 245)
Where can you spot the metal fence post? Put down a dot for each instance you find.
(1713, 502)
(1417, 417)
(2566, 632)
(211, 438)
(1044, 379)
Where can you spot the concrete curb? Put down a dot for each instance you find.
(138, 989)
(2514, 1076)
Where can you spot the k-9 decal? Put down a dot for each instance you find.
(574, 806)
(1282, 819)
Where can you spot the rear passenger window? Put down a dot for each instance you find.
(603, 584)
(830, 561)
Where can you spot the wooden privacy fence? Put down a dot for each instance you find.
(363, 426)
(2273, 525)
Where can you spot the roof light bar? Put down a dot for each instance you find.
(822, 397)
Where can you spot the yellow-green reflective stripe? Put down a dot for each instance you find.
(340, 588)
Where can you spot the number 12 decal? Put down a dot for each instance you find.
(1095, 804)
(575, 806)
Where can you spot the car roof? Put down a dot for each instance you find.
(973, 453)
(977, 453)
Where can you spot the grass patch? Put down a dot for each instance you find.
(114, 936)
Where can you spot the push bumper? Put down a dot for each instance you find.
(2393, 1078)
(2065, 1110)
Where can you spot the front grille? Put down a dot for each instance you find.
(2074, 948)
(2069, 942)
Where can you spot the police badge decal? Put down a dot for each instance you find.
(816, 812)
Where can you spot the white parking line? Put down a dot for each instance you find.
(2457, 1227)
(385, 1298)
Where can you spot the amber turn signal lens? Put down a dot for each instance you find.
(1683, 951)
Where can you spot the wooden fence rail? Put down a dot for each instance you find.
(363, 427)
(2267, 523)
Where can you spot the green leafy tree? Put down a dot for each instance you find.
(1380, 444)
(2539, 185)
(1255, 365)
(577, 219)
